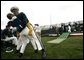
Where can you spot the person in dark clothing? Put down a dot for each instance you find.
(14, 22)
(6, 32)
(7, 35)
(24, 20)
(7, 39)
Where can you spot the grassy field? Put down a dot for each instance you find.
(71, 48)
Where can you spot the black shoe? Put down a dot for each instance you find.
(36, 51)
(16, 51)
(20, 54)
(43, 54)
(43, 50)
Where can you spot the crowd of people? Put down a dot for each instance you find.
(63, 27)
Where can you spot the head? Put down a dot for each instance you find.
(9, 16)
(69, 24)
(36, 24)
(15, 10)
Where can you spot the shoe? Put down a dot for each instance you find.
(16, 51)
(36, 51)
(9, 49)
(43, 50)
(20, 54)
(43, 54)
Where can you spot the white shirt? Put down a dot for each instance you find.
(37, 28)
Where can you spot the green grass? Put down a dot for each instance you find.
(71, 48)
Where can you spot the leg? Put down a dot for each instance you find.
(37, 41)
(23, 47)
(24, 44)
(15, 41)
(19, 43)
(38, 34)
(33, 43)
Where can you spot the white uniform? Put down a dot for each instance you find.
(14, 40)
(37, 30)
(69, 29)
(23, 40)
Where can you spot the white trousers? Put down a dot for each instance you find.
(22, 43)
(14, 40)
(25, 38)
(35, 42)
